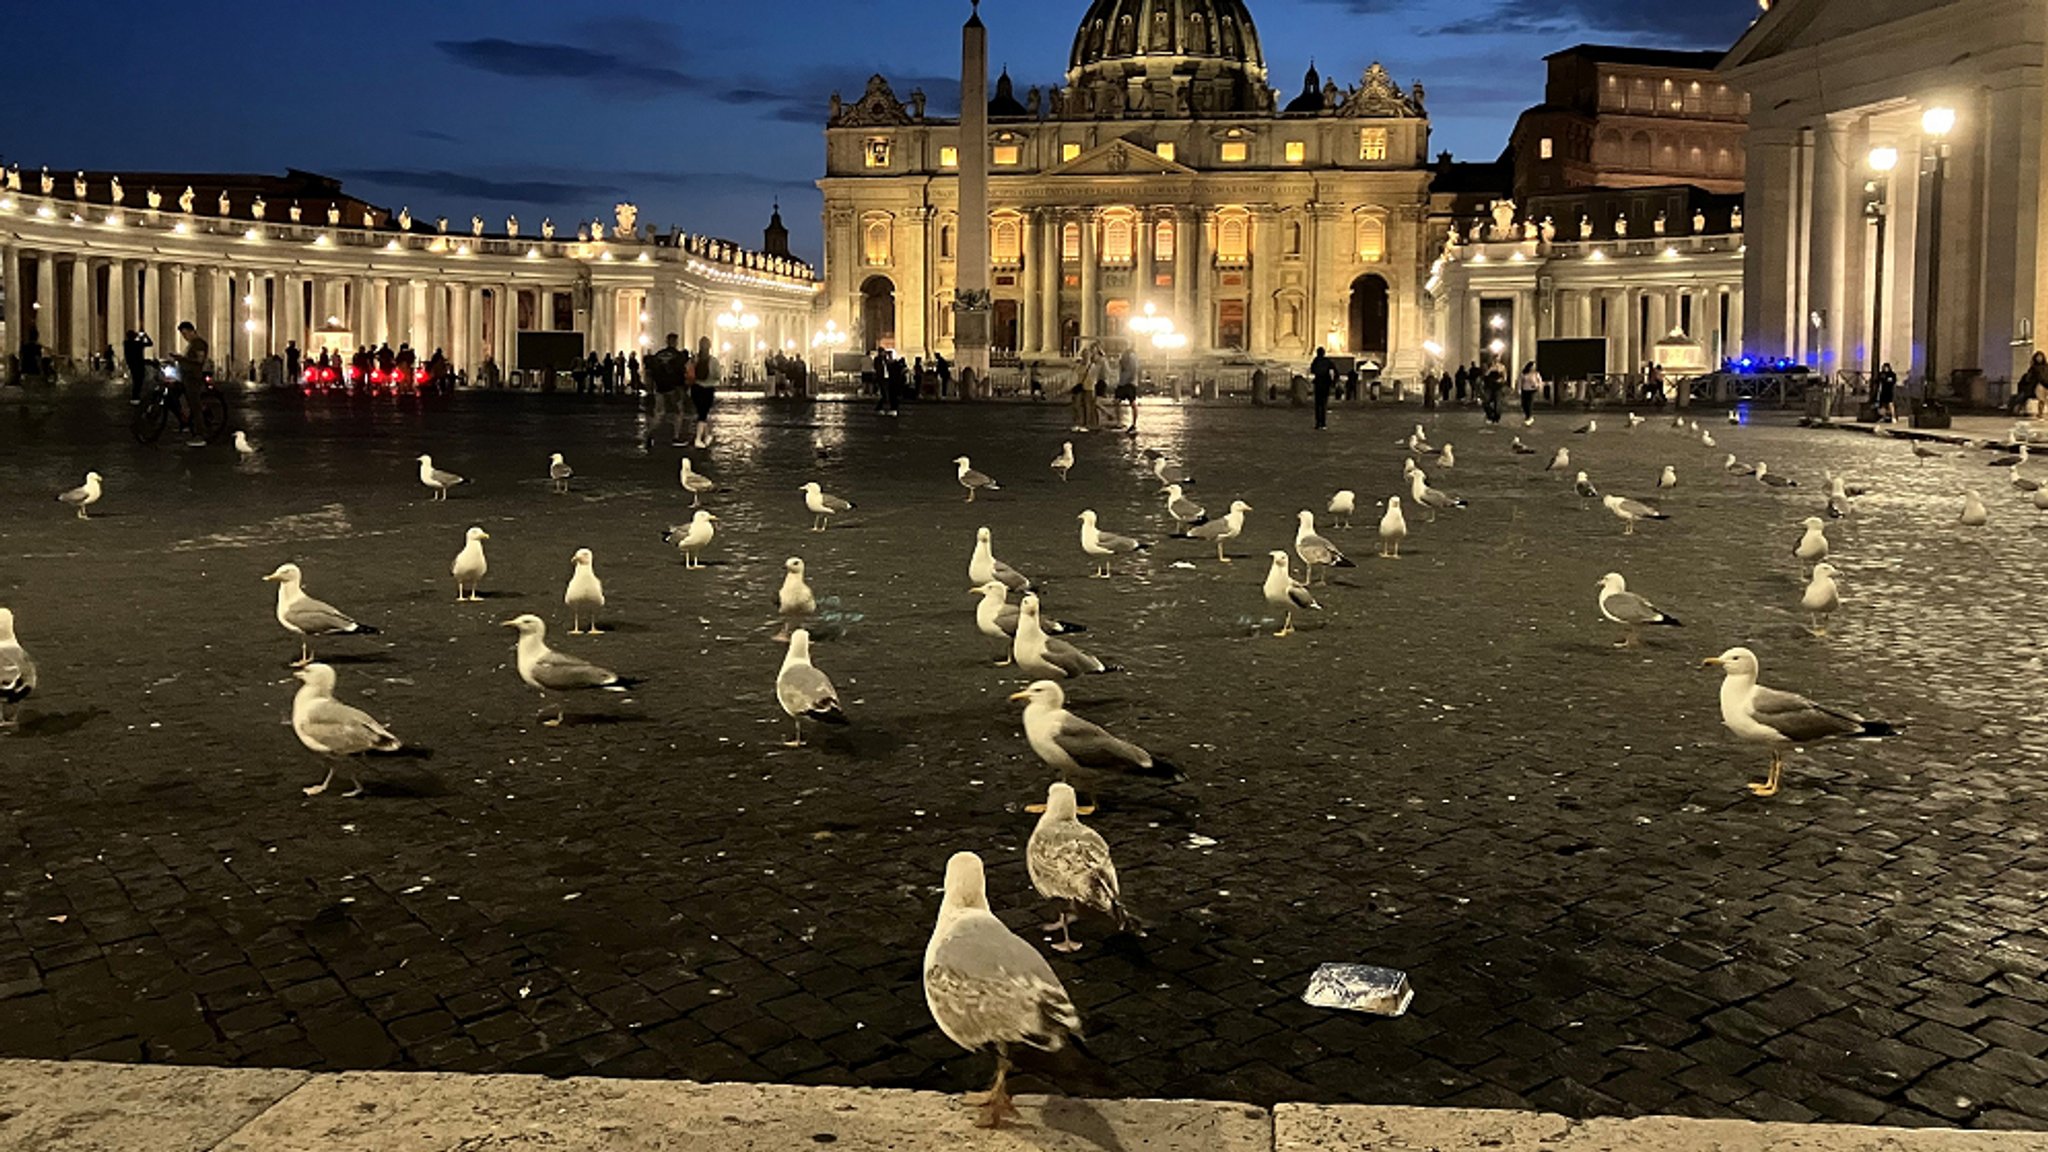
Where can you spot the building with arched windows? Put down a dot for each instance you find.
(1163, 178)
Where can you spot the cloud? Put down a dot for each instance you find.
(1703, 23)
(513, 191)
(809, 102)
(431, 134)
(556, 60)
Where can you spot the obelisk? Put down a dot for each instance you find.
(970, 287)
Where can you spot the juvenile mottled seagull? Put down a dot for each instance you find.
(823, 505)
(1316, 551)
(1445, 458)
(17, 671)
(1223, 530)
(1065, 460)
(329, 727)
(1521, 449)
(1589, 426)
(244, 447)
(1629, 511)
(1429, 499)
(692, 538)
(974, 481)
(470, 565)
(696, 483)
(1629, 610)
(1084, 754)
(585, 594)
(1813, 543)
(1561, 462)
(1760, 715)
(559, 472)
(1341, 507)
(305, 617)
(1393, 529)
(1167, 472)
(436, 480)
(1185, 512)
(1039, 655)
(987, 988)
(1286, 594)
(84, 496)
(983, 566)
(1770, 479)
(1735, 467)
(1104, 545)
(794, 601)
(1975, 515)
(803, 691)
(997, 618)
(1584, 487)
(1668, 478)
(1069, 862)
(548, 671)
(1822, 596)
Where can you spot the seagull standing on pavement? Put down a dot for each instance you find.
(692, 538)
(305, 617)
(803, 691)
(1777, 719)
(84, 496)
(1629, 511)
(1393, 529)
(1584, 487)
(695, 483)
(1286, 594)
(1316, 551)
(1975, 515)
(1823, 596)
(470, 564)
(823, 505)
(437, 481)
(1226, 528)
(1770, 479)
(550, 672)
(329, 727)
(1342, 505)
(17, 672)
(794, 601)
(1104, 545)
(1185, 512)
(1629, 610)
(585, 594)
(244, 447)
(1561, 462)
(559, 472)
(1065, 460)
(1813, 543)
(983, 566)
(973, 481)
(1668, 478)
(1069, 862)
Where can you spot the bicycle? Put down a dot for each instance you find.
(164, 397)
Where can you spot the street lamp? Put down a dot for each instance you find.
(1935, 123)
(740, 321)
(1877, 208)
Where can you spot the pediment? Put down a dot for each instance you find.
(1793, 25)
(1121, 158)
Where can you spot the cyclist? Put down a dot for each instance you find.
(192, 362)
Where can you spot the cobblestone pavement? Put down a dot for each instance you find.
(1450, 771)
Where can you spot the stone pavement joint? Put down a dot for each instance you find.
(48, 1106)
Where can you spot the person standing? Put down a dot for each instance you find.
(2033, 388)
(1322, 375)
(704, 389)
(1127, 387)
(899, 383)
(294, 362)
(132, 346)
(668, 370)
(1492, 381)
(191, 373)
(944, 368)
(1531, 384)
(1463, 380)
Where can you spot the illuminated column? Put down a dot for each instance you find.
(1091, 278)
(462, 326)
(416, 329)
(437, 320)
(1051, 265)
(1141, 237)
(12, 307)
(1028, 334)
(1827, 224)
(45, 311)
(1202, 318)
(1184, 227)
(79, 337)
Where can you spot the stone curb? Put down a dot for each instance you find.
(86, 1107)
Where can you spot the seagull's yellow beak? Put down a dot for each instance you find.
(508, 623)
(483, 535)
(974, 592)
(1020, 695)
(272, 578)
(1716, 660)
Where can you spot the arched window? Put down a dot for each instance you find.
(875, 241)
(1162, 241)
(1162, 31)
(1291, 238)
(1639, 150)
(1005, 241)
(946, 242)
(1372, 238)
(1116, 238)
(1070, 242)
(1607, 150)
(1232, 231)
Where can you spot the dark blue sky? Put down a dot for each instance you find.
(702, 113)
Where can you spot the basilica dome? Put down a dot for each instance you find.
(1116, 34)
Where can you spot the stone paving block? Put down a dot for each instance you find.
(87, 1107)
(1349, 1128)
(428, 1112)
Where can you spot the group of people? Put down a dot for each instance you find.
(674, 373)
(892, 379)
(1091, 387)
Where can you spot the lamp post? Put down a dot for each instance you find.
(1936, 123)
(737, 320)
(1876, 206)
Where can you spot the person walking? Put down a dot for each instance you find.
(1463, 380)
(669, 371)
(1492, 381)
(1322, 375)
(132, 346)
(703, 389)
(944, 368)
(1531, 384)
(1884, 387)
(1127, 388)
(2033, 388)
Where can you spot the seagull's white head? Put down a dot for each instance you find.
(1042, 692)
(1581, 478)
(1729, 462)
(966, 883)
(426, 460)
(1173, 491)
(794, 566)
(1394, 503)
(583, 557)
(554, 458)
(799, 647)
(1762, 469)
(1735, 662)
(1059, 802)
(1279, 558)
(92, 477)
(1344, 496)
(1825, 569)
(6, 624)
(528, 625)
(981, 536)
(1239, 506)
(1612, 582)
(702, 517)
(475, 534)
(318, 677)
(1813, 523)
(960, 460)
(285, 574)
(1305, 518)
(1028, 606)
(811, 487)
(1670, 471)
(994, 591)
(1088, 517)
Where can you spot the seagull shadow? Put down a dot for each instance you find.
(598, 720)
(609, 626)
(356, 658)
(43, 725)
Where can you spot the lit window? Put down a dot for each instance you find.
(1372, 238)
(877, 151)
(1162, 241)
(1543, 148)
(1296, 151)
(949, 157)
(1070, 242)
(1235, 151)
(1231, 247)
(1007, 155)
(1164, 149)
(1116, 240)
(1069, 151)
(875, 241)
(1372, 143)
(1005, 241)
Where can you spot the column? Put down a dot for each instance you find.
(1141, 236)
(1029, 336)
(437, 320)
(45, 311)
(2009, 211)
(78, 337)
(1827, 239)
(12, 307)
(416, 320)
(1051, 281)
(1185, 225)
(1091, 278)
(1770, 225)
(462, 326)
(1660, 322)
(1201, 321)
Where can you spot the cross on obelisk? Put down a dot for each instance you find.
(970, 289)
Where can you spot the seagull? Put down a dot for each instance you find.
(1734, 467)
(822, 504)
(1561, 462)
(1103, 545)
(1706, 438)
(1226, 529)
(1185, 512)
(331, 728)
(1409, 468)
(2041, 499)
(1772, 479)
(1393, 529)
(1286, 593)
(1069, 862)
(1342, 505)
(1760, 715)
(1587, 428)
(1314, 550)
(997, 618)
(17, 672)
(1418, 442)
(437, 481)
(1975, 515)
(546, 670)
(244, 447)
(1429, 499)
(1065, 460)
(1584, 487)
(1039, 655)
(1678, 421)
(692, 538)
(585, 594)
(559, 472)
(1634, 420)
(470, 565)
(983, 566)
(1813, 545)
(1823, 596)
(1668, 478)
(1924, 453)
(803, 691)
(306, 617)
(1733, 418)
(696, 483)
(2009, 459)
(1839, 503)
(1521, 449)
(1081, 751)
(974, 481)
(1167, 473)
(794, 600)
(1445, 458)
(1629, 610)
(2022, 483)
(1630, 511)
(84, 496)
(986, 987)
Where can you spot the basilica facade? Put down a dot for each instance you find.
(1165, 180)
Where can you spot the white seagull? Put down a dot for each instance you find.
(436, 480)
(1760, 715)
(548, 671)
(470, 565)
(823, 505)
(585, 594)
(305, 617)
(1975, 515)
(1227, 528)
(1629, 610)
(803, 691)
(559, 472)
(1039, 655)
(1813, 543)
(983, 566)
(974, 481)
(329, 727)
(1065, 460)
(692, 538)
(1629, 511)
(244, 447)
(1069, 862)
(1341, 507)
(84, 496)
(1084, 754)
(1822, 597)
(1104, 545)
(696, 483)
(1285, 593)
(794, 601)
(17, 672)
(1393, 529)
(1668, 478)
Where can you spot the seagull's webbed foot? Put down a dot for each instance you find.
(1058, 924)
(355, 791)
(317, 789)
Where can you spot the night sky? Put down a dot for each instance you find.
(702, 113)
